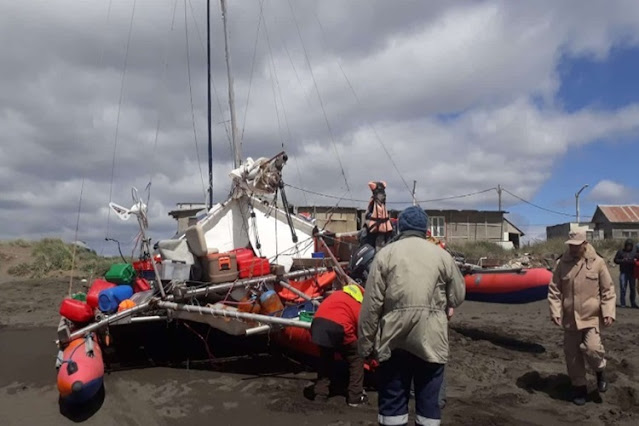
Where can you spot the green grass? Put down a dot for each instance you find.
(475, 250)
(54, 255)
(19, 243)
(550, 249)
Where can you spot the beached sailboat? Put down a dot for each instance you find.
(228, 270)
(247, 266)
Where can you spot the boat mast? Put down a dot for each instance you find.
(237, 148)
(208, 81)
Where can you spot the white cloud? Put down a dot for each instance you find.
(463, 97)
(607, 191)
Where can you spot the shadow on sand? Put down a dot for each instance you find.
(195, 346)
(556, 386)
(507, 342)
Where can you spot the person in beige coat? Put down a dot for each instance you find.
(403, 322)
(582, 298)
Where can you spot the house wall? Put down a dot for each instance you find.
(335, 220)
(563, 229)
(617, 231)
(621, 231)
(471, 226)
(557, 231)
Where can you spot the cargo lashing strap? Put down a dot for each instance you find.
(72, 366)
(88, 345)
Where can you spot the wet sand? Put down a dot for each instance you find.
(506, 367)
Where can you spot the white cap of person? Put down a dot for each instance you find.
(576, 238)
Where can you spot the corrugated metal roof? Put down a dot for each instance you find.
(621, 214)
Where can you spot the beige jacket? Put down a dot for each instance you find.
(411, 283)
(581, 292)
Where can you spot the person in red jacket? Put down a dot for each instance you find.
(334, 329)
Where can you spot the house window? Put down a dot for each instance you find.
(437, 224)
(630, 234)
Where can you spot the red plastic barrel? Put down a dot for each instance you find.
(140, 284)
(76, 310)
(96, 287)
(253, 267)
(243, 254)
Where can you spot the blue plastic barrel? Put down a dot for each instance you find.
(109, 299)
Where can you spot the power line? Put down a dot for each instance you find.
(537, 206)
(335, 197)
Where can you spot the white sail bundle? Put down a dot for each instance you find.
(258, 177)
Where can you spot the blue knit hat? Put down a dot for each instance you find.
(413, 218)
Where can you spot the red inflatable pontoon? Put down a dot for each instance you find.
(81, 373)
(508, 286)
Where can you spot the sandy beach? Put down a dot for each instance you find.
(506, 367)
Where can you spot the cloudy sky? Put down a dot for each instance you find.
(539, 97)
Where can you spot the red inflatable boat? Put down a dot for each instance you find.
(298, 341)
(81, 370)
(508, 286)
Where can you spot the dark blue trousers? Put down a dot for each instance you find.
(395, 378)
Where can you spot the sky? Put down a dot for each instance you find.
(97, 97)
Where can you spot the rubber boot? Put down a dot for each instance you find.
(579, 394)
(602, 384)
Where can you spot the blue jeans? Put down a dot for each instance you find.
(395, 378)
(627, 280)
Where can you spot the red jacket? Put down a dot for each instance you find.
(342, 309)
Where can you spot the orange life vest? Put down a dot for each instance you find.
(378, 218)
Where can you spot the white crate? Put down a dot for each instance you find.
(172, 270)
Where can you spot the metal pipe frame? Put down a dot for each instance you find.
(238, 315)
(192, 293)
(248, 281)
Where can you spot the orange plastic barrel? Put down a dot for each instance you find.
(126, 304)
(271, 303)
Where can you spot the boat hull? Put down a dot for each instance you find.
(79, 384)
(510, 287)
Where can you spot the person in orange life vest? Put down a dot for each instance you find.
(378, 227)
(334, 329)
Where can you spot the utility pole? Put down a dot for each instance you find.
(501, 232)
(414, 185)
(577, 200)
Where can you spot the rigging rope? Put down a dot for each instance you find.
(248, 96)
(164, 78)
(75, 245)
(117, 121)
(319, 96)
(188, 66)
(279, 91)
(350, 85)
(100, 62)
(217, 98)
(274, 82)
